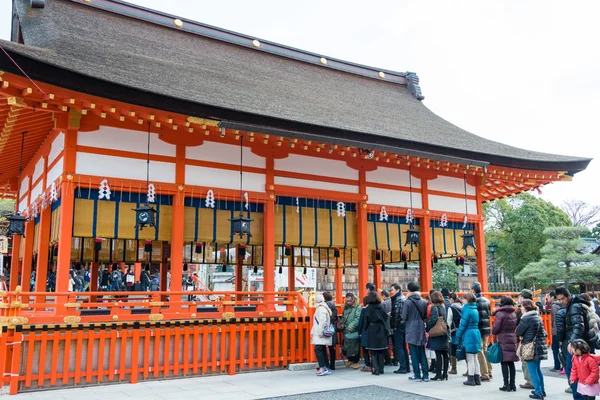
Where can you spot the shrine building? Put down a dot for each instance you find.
(133, 138)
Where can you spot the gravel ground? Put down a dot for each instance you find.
(357, 393)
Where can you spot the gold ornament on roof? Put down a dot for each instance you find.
(178, 23)
(256, 43)
(381, 75)
(323, 61)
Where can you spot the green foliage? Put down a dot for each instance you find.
(562, 260)
(7, 206)
(444, 274)
(517, 226)
(593, 233)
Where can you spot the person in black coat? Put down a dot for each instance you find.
(375, 319)
(145, 278)
(334, 316)
(439, 344)
(531, 330)
(363, 338)
(484, 310)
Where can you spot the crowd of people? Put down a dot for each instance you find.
(448, 328)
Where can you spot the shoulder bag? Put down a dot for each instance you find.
(494, 353)
(440, 328)
(527, 351)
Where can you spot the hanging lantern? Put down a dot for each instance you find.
(224, 268)
(412, 236)
(304, 271)
(457, 260)
(326, 271)
(185, 266)
(144, 216)
(242, 252)
(435, 258)
(255, 269)
(287, 250)
(378, 255)
(281, 269)
(56, 250)
(344, 271)
(198, 248)
(240, 226)
(404, 257)
(462, 261)
(97, 244)
(148, 246)
(336, 253)
(405, 264)
(382, 267)
(468, 240)
(16, 225)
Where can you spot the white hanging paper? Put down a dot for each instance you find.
(465, 222)
(409, 216)
(104, 191)
(44, 202)
(383, 215)
(246, 206)
(341, 209)
(151, 193)
(444, 222)
(210, 199)
(53, 193)
(297, 205)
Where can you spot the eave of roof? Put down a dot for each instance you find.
(289, 95)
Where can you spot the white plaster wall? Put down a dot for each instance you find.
(393, 197)
(125, 168)
(224, 153)
(22, 205)
(54, 172)
(24, 186)
(316, 166)
(391, 176)
(303, 183)
(36, 191)
(451, 204)
(56, 147)
(450, 184)
(38, 170)
(224, 179)
(125, 140)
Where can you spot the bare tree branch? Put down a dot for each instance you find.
(581, 213)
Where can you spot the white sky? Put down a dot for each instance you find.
(526, 73)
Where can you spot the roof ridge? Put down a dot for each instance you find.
(170, 21)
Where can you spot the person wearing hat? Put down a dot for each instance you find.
(525, 294)
(350, 318)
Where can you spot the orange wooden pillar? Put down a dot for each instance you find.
(339, 281)
(41, 269)
(239, 271)
(27, 255)
(178, 222)
(377, 272)
(426, 278)
(291, 272)
(269, 234)
(15, 262)
(363, 239)
(482, 275)
(65, 230)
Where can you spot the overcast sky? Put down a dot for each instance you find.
(526, 73)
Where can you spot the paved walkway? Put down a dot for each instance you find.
(292, 385)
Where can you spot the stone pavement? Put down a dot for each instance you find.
(290, 385)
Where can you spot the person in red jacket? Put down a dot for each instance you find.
(585, 370)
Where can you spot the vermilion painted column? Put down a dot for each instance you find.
(41, 269)
(178, 221)
(27, 255)
(239, 266)
(65, 230)
(269, 233)
(482, 275)
(426, 278)
(15, 263)
(363, 239)
(377, 273)
(339, 281)
(291, 272)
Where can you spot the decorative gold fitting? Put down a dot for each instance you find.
(271, 196)
(193, 315)
(229, 303)
(271, 187)
(69, 177)
(18, 290)
(311, 298)
(288, 302)
(203, 121)
(427, 212)
(157, 303)
(178, 23)
(256, 43)
(180, 187)
(287, 314)
(260, 314)
(16, 304)
(381, 74)
(228, 315)
(72, 305)
(323, 60)
(115, 317)
(155, 317)
(72, 319)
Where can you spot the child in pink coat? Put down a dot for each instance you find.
(585, 370)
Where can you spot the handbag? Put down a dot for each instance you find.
(351, 335)
(440, 328)
(460, 352)
(494, 353)
(339, 324)
(526, 351)
(328, 330)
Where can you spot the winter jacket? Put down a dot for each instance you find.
(437, 342)
(575, 323)
(145, 278)
(483, 308)
(447, 302)
(320, 320)
(468, 331)
(361, 328)
(585, 369)
(554, 307)
(504, 327)
(377, 334)
(453, 319)
(531, 329)
(387, 307)
(333, 319)
(396, 321)
(592, 318)
(414, 313)
(350, 317)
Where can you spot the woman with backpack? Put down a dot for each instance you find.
(438, 336)
(454, 314)
(505, 323)
(318, 335)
